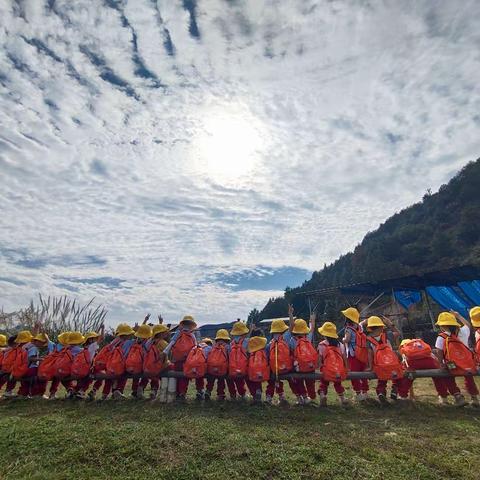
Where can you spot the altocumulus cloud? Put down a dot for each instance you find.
(198, 156)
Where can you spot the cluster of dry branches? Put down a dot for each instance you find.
(53, 315)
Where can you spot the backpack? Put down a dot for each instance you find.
(63, 364)
(134, 360)
(237, 360)
(195, 365)
(258, 368)
(185, 342)
(153, 361)
(386, 364)
(217, 361)
(416, 349)
(361, 350)
(47, 369)
(333, 367)
(20, 366)
(458, 357)
(116, 361)
(9, 360)
(101, 358)
(82, 364)
(280, 357)
(305, 356)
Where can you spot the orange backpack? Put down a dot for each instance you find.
(258, 368)
(9, 360)
(82, 364)
(180, 350)
(20, 366)
(154, 361)
(217, 361)
(458, 357)
(47, 369)
(333, 367)
(386, 364)
(280, 357)
(134, 361)
(237, 360)
(63, 364)
(101, 358)
(416, 349)
(196, 363)
(361, 350)
(2, 354)
(116, 361)
(305, 356)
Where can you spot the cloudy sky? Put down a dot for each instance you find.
(198, 156)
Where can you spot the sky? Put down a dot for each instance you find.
(199, 156)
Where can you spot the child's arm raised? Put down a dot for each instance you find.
(461, 319)
(290, 317)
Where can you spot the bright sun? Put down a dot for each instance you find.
(229, 146)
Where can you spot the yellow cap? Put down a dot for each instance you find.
(447, 319)
(189, 319)
(278, 326)
(159, 329)
(352, 314)
(89, 335)
(475, 316)
(328, 329)
(404, 342)
(3, 340)
(222, 334)
(63, 338)
(208, 341)
(374, 321)
(41, 337)
(300, 327)
(124, 329)
(24, 336)
(144, 331)
(256, 343)
(75, 338)
(239, 328)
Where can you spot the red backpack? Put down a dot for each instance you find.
(333, 367)
(63, 364)
(134, 361)
(386, 364)
(217, 361)
(82, 364)
(20, 366)
(116, 361)
(180, 350)
(154, 361)
(9, 360)
(458, 357)
(280, 357)
(47, 369)
(2, 354)
(361, 350)
(258, 368)
(305, 356)
(237, 360)
(196, 363)
(416, 349)
(101, 358)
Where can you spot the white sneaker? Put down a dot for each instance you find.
(307, 400)
(300, 400)
(443, 401)
(118, 395)
(9, 394)
(268, 400)
(360, 397)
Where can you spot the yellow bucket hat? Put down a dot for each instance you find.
(24, 336)
(208, 341)
(256, 343)
(300, 327)
(352, 314)
(239, 328)
(278, 326)
(328, 329)
(222, 334)
(189, 319)
(159, 329)
(475, 316)
(63, 338)
(124, 329)
(89, 335)
(3, 340)
(75, 338)
(144, 331)
(404, 342)
(447, 319)
(374, 321)
(41, 337)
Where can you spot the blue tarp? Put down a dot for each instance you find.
(449, 299)
(407, 298)
(471, 290)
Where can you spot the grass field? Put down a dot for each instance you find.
(140, 439)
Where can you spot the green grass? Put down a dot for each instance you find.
(140, 439)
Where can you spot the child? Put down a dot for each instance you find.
(7, 356)
(117, 359)
(136, 356)
(355, 342)
(381, 358)
(217, 365)
(238, 361)
(206, 345)
(305, 357)
(90, 349)
(24, 342)
(280, 360)
(179, 347)
(258, 368)
(475, 318)
(332, 362)
(453, 334)
(155, 361)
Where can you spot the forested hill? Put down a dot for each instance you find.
(441, 231)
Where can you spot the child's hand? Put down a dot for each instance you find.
(290, 310)
(160, 319)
